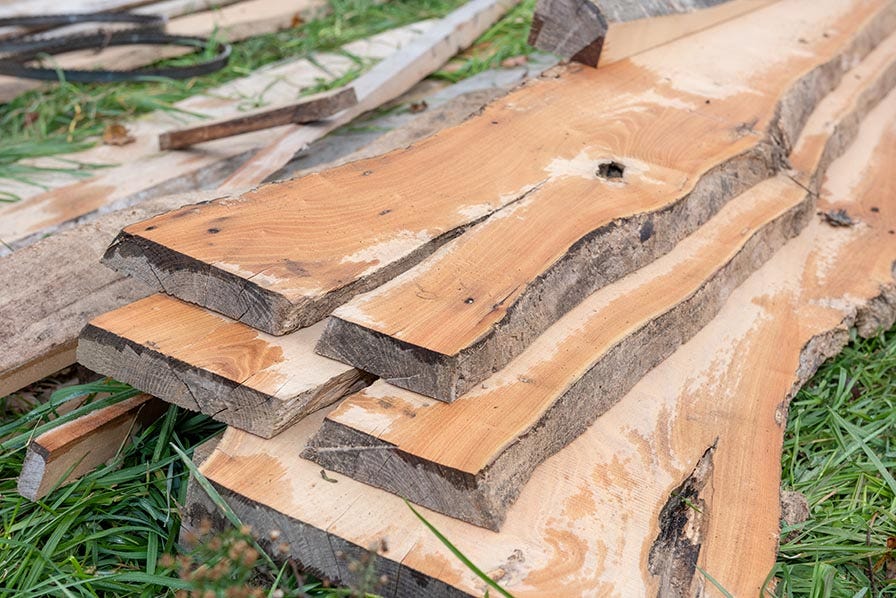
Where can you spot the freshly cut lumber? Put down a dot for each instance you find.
(41, 338)
(233, 22)
(287, 254)
(603, 516)
(385, 81)
(205, 362)
(470, 459)
(463, 313)
(144, 172)
(72, 449)
(308, 109)
(598, 32)
(40, 318)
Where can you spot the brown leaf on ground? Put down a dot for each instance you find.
(514, 61)
(116, 134)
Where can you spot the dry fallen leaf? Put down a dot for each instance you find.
(514, 61)
(116, 134)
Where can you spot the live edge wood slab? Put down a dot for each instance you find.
(471, 459)
(462, 314)
(206, 362)
(611, 513)
(285, 255)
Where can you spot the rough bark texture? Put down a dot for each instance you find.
(483, 498)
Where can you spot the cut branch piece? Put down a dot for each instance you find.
(450, 322)
(287, 254)
(308, 109)
(202, 361)
(75, 448)
(598, 32)
(471, 459)
(588, 520)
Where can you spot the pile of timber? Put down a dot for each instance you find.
(568, 328)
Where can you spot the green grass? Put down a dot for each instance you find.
(68, 117)
(839, 451)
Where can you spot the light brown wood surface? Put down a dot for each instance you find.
(205, 362)
(599, 32)
(463, 313)
(586, 522)
(142, 172)
(471, 458)
(69, 451)
(75, 287)
(285, 255)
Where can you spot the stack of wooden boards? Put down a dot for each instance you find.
(587, 308)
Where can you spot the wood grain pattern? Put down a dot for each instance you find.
(463, 313)
(75, 448)
(205, 362)
(586, 522)
(599, 32)
(471, 459)
(42, 337)
(288, 253)
(142, 172)
(308, 109)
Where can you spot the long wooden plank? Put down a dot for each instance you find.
(205, 362)
(308, 109)
(144, 172)
(470, 459)
(599, 32)
(232, 22)
(589, 521)
(463, 313)
(386, 81)
(67, 452)
(287, 254)
(75, 287)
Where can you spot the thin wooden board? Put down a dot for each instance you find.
(205, 362)
(143, 172)
(69, 451)
(287, 254)
(600, 32)
(308, 109)
(462, 314)
(590, 517)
